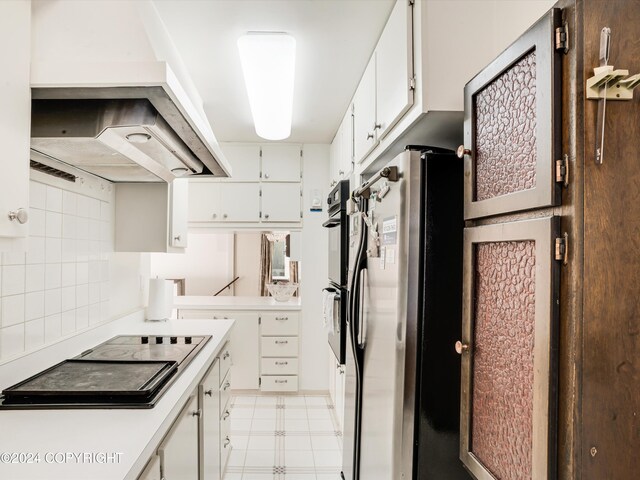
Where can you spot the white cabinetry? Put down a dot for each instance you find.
(209, 400)
(281, 202)
(244, 160)
(178, 452)
(279, 351)
(224, 202)
(151, 217)
(336, 388)
(281, 163)
(15, 120)
(385, 92)
(341, 151)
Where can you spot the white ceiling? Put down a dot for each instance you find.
(334, 40)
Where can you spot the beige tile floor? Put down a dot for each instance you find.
(280, 437)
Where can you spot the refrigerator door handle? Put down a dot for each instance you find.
(362, 321)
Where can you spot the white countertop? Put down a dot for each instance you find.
(132, 433)
(235, 303)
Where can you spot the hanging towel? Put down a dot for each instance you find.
(328, 299)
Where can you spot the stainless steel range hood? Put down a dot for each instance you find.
(121, 140)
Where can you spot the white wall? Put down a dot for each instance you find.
(247, 264)
(314, 271)
(207, 264)
(69, 280)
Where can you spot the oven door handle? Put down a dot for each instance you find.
(332, 222)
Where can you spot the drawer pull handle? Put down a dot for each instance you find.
(209, 393)
(227, 442)
(282, 342)
(282, 381)
(226, 385)
(282, 363)
(282, 319)
(226, 355)
(226, 414)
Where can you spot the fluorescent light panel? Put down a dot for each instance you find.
(268, 63)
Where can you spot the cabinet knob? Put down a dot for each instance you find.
(369, 136)
(266, 175)
(341, 172)
(226, 354)
(226, 386)
(225, 215)
(266, 215)
(197, 413)
(177, 238)
(20, 214)
(377, 126)
(227, 442)
(334, 183)
(461, 151)
(461, 347)
(208, 393)
(215, 215)
(226, 414)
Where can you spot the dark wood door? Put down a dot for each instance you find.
(508, 347)
(512, 117)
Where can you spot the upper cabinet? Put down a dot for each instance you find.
(341, 150)
(244, 160)
(385, 92)
(281, 163)
(15, 119)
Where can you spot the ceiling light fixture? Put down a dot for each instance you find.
(268, 64)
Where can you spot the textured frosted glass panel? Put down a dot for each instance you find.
(502, 401)
(506, 132)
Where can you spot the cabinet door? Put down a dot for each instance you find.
(512, 126)
(281, 202)
(345, 165)
(335, 151)
(15, 118)
(339, 403)
(179, 212)
(281, 163)
(179, 450)
(240, 202)
(394, 68)
(332, 377)
(244, 160)
(205, 202)
(509, 343)
(364, 113)
(209, 398)
(245, 350)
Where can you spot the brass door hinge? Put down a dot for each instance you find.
(562, 171)
(562, 249)
(562, 38)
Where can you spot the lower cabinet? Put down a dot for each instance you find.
(198, 444)
(178, 452)
(336, 388)
(279, 351)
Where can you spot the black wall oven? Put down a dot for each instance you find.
(338, 228)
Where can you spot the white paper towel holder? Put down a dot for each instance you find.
(160, 300)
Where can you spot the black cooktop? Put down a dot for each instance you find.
(124, 372)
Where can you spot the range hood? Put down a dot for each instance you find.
(123, 107)
(124, 140)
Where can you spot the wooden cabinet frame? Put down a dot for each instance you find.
(547, 270)
(547, 192)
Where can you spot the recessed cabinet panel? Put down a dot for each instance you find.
(509, 336)
(281, 202)
(281, 163)
(364, 113)
(512, 126)
(394, 68)
(244, 345)
(179, 451)
(244, 160)
(205, 202)
(240, 202)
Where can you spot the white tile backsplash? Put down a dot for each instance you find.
(61, 285)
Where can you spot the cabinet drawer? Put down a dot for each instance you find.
(225, 361)
(225, 443)
(279, 346)
(279, 383)
(279, 366)
(281, 323)
(225, 393)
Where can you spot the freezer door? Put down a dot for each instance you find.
(386, 399)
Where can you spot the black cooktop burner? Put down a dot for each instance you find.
(124, 372)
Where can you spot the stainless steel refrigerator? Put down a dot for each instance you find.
(403, 374)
